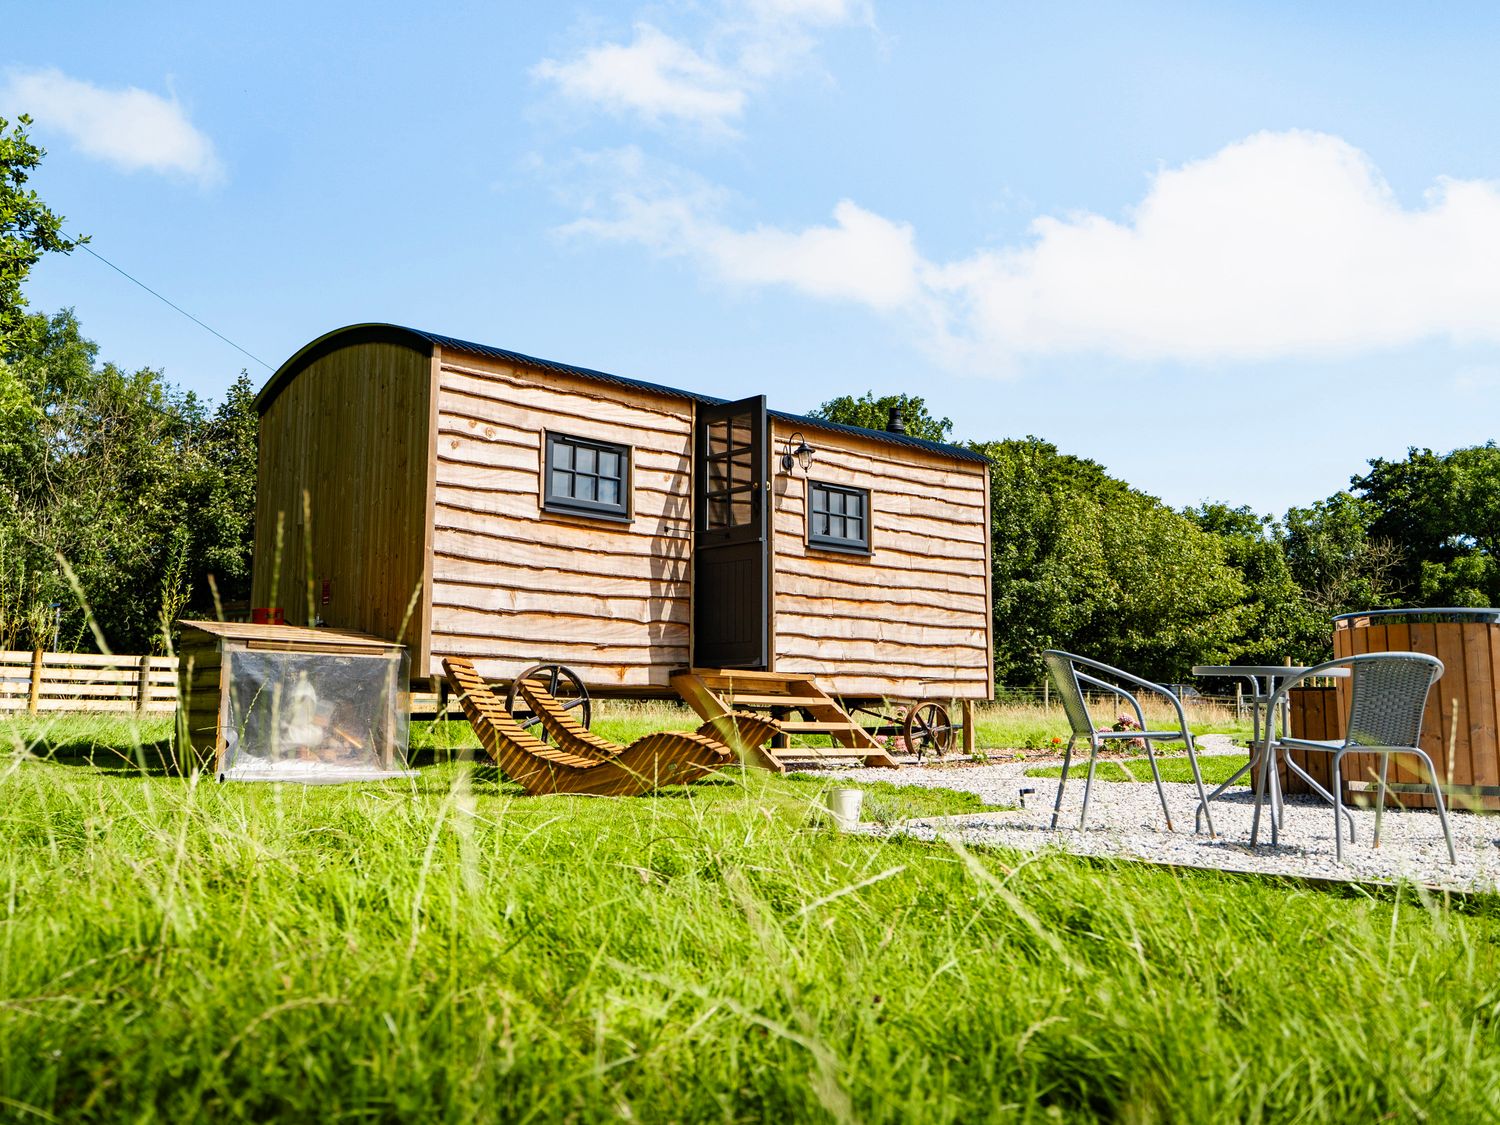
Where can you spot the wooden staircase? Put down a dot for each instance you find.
(717, 691)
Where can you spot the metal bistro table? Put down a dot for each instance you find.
(1264, 680)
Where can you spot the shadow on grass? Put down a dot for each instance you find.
(151, 759)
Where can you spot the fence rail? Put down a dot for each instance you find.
(68, 681)
(73, 681)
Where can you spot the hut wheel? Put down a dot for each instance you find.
(563, 684)
(928, 727)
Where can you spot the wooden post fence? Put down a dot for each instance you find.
(40, 682)
(35, 695)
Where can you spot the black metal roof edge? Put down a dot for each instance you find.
(394, 333)
(956, 451)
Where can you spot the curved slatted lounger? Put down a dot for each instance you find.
(664, 758)
(737, 731)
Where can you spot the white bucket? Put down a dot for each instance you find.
(844, 805)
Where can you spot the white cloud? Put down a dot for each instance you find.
(130, 128)
(1283, 244)
(663, 79)
(655, 76)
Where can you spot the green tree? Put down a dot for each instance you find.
(1081, 561)
(28, 227)
(222, 512)
(1441, 513)
(1279, 620)
(1047, 570)
(1335, 558)
(101, 467)
(1171, 600)
(874, 413)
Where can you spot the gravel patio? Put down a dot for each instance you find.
(1125, 821)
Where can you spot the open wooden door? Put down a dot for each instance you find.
(731, 536)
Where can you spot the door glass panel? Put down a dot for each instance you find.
(739, 509)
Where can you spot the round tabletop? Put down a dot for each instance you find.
(1279, 671)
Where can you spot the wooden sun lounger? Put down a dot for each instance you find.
(648, 763)
(741, 732)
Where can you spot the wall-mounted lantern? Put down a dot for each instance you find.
(797, 452)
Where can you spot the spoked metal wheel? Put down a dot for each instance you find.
(928, 729)
(563, 684)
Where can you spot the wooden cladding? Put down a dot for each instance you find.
(515, 582)
(428, 521)
(351, 431)
(911, 619)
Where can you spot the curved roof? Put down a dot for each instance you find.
(422, 341)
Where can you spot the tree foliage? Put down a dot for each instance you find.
(28, 227)
(874, 413)
(1082, 561)
(134, 484)
(1278, 620)
(1440, 515)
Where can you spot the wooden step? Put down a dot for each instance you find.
(771, 700)
(712, 692)
(817, 728)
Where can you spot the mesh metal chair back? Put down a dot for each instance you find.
(1388, 696)
(1065, 679)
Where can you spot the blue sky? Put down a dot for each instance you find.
(1230, 251)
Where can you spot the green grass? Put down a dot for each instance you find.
(444, 949)
(998, 726)
(1216, 768)
(1016, 725)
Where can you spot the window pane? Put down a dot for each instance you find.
(562, 455)
(820, 523)
(740, 430)
(819, 499)
(609, 491)
(583, 459)
(836, 501)
(609, 464)
(718, 437)
(562, 483)
(739, 509)
(583, 487)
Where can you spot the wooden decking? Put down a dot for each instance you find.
(715, 692)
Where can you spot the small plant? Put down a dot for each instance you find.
(1053, 743)
(1126, 723)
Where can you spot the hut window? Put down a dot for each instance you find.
(838, 518)
(587, 477)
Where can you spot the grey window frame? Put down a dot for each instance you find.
(843, 544)
(553, 501)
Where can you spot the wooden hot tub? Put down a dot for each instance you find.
(1461, 711)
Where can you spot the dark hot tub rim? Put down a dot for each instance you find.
(1447, 613)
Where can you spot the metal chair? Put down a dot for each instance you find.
(1388, 693)
(1065, 671)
